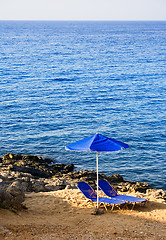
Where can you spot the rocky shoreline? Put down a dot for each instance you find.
(28, 173)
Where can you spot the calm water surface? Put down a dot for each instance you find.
(63, 81)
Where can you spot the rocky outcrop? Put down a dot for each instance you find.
(12, 195)
(36, 166)
(20, 174)
(29, 173)
(157, 193)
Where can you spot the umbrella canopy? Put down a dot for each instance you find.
(97, 143)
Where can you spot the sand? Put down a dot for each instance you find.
(65, 214)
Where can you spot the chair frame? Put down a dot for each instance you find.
(112, 193)
(91, 195)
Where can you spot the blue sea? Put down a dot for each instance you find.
(64, 81)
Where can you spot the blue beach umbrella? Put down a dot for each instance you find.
(97, 143)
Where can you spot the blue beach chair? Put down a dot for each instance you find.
(90, 193)
(109, 191)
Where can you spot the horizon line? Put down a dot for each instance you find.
(85, 20)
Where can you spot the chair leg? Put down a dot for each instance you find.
(112, 207)
(126, 207)
(133, 207)
(105, 207)
(92, 202)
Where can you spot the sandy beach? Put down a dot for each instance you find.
(65, 214)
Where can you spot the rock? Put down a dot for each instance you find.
(71, 186)
(140, 187)
(7, 177)
(157, 193)
(20, 163)
(48, 161)
(97, 211)
(1, 182)
(32, 171)
(58, 167)
(11, 158)
(124, 189)
(122, 186)
(54, 185)
(15, 189)
(27, 186)
(12, 196)
(36, 166)
(26, 183)
(2, 197)
(32, 158)
(38, 186)
(50, 187)
(116, 178)
(68, 168)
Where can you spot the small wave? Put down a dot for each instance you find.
(63, 79)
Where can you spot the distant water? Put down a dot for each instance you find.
(63, 81)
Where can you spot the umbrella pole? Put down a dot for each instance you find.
(97, 180)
